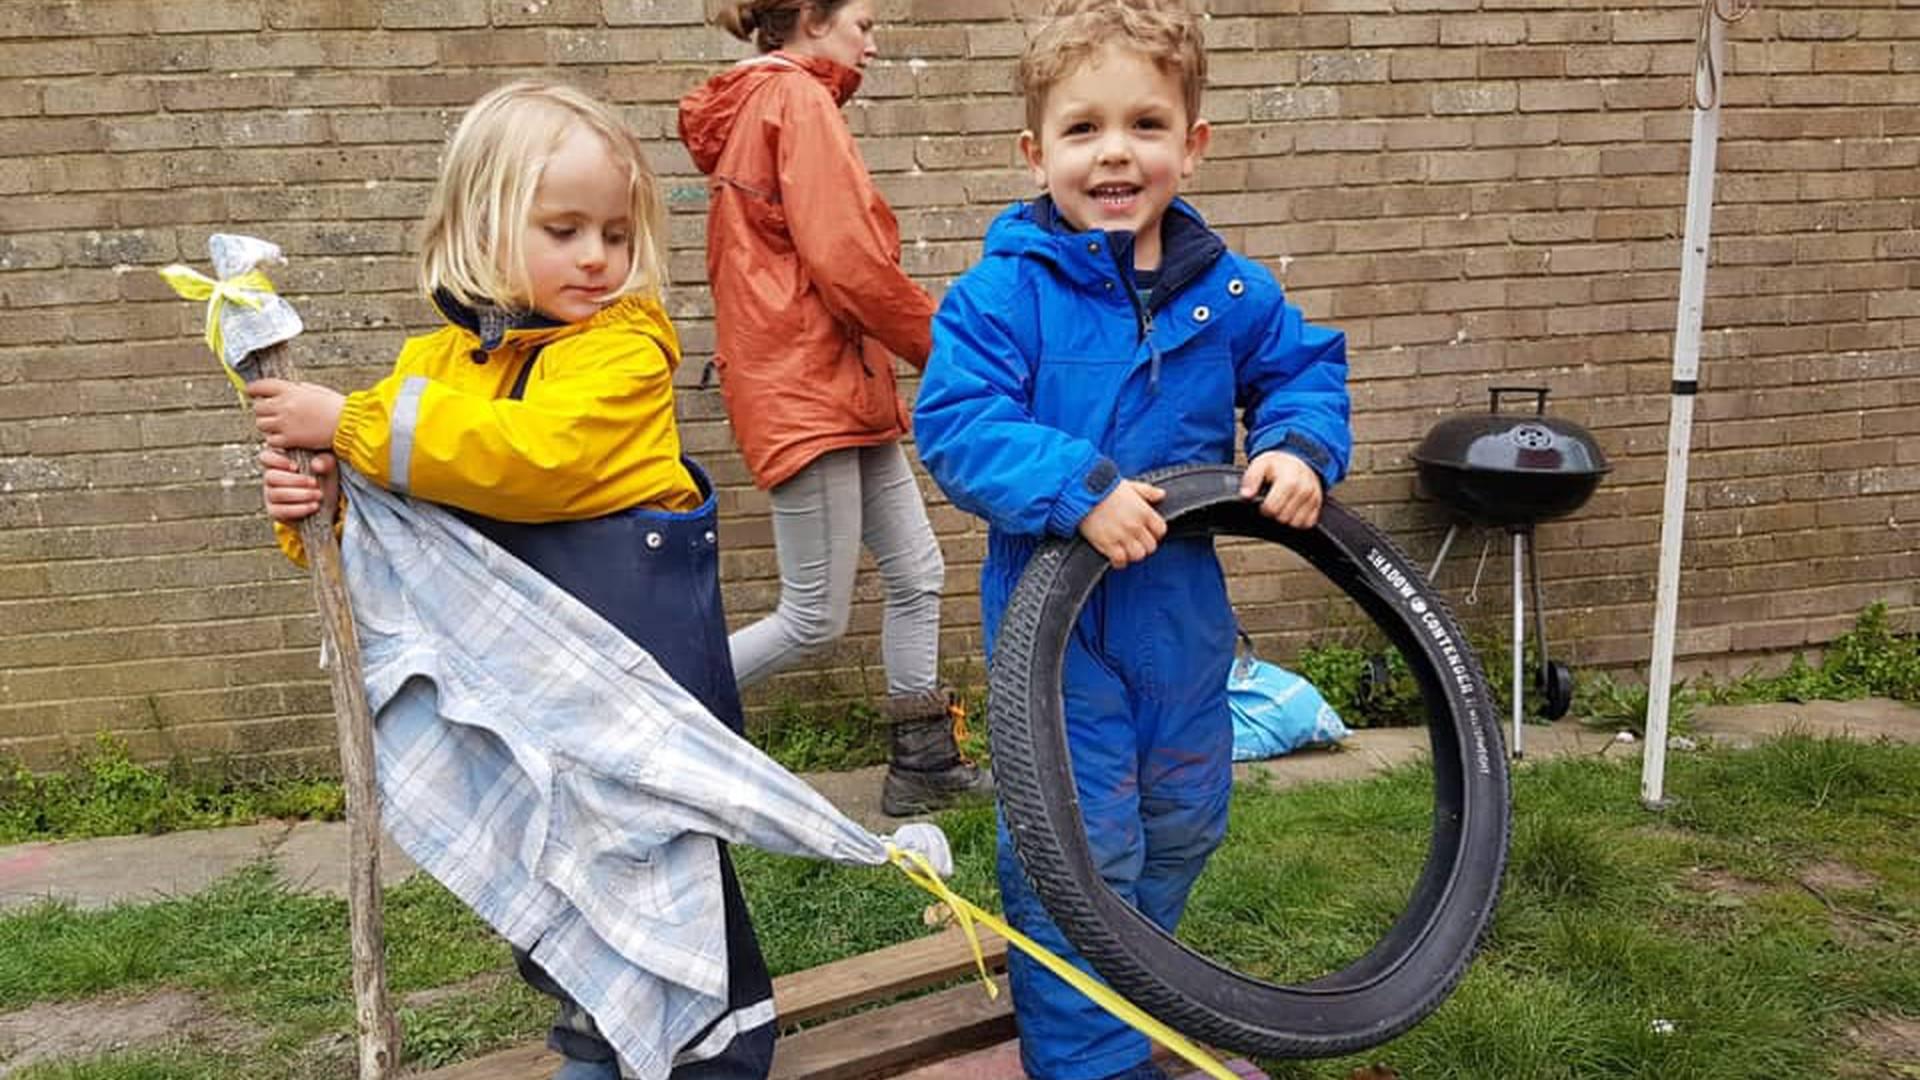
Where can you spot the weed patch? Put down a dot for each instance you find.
(104, 792)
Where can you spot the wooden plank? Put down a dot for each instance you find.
(530, 1062)
(881, 1042)
(856, 1047)
(805, 996)
(1000, 1061)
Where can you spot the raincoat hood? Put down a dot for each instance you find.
(708, 115)
(494, 326)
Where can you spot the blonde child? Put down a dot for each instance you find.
(543, 412)
(1107, 332)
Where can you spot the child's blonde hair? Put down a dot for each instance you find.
(1073, 31)
(768, 24)
(472, 244)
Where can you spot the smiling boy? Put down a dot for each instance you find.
(1107, 332)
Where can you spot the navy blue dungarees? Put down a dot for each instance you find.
(655, 574)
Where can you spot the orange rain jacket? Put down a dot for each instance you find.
(593, 433)
(804, 259)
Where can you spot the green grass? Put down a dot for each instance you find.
(1614, 919)
(1726, 916)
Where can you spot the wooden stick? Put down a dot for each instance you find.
(373, 1014)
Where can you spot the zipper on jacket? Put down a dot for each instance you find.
(1144, 316)
(1153, 350)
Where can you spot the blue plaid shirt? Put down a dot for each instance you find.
(545, 769)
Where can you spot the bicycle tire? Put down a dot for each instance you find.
(1413, 968)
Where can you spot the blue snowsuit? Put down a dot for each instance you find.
(1051, 379)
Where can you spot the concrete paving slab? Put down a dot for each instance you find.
(313, 858)
(1867, 718)
(856, 793)
(98, 873)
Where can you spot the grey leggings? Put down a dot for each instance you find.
(821, 517)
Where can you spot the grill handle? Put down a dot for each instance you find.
(1539, 397)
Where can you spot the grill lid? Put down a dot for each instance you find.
(1512, 442)
(1510, 469)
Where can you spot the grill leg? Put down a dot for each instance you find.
(1519, 640)
(1445, 546)
(1539, 609)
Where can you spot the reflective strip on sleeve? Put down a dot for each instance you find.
(406, 414)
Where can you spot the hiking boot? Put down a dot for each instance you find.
(927, 771)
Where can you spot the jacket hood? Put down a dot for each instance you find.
(493, 327)
(708, 115)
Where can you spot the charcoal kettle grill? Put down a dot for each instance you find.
(1513, 470)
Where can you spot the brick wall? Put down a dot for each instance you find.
(1477, 191)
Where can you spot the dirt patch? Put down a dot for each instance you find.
(83, 1029)
(1853, 927)
(1721, 883)
(1894, 1044)
(1830, 877)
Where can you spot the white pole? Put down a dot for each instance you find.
(1686, 370)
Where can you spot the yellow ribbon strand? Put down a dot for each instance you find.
(242, 290)
(967, 913)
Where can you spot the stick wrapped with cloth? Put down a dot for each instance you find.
(244, 314)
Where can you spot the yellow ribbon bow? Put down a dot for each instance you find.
(242, 290)
(967, 913)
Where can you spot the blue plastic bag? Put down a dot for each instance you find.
(1274, 710)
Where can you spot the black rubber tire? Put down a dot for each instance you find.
(1556, 690)
(1426, 952)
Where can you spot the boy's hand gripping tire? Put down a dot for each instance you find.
(1426, 952)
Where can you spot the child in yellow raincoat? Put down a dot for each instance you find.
(543, 412)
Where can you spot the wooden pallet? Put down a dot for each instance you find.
(883, 1041)
(848, 1021)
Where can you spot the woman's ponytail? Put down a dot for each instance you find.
(768, 24)
(736, 17)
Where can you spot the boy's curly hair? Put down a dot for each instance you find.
(1072, 31)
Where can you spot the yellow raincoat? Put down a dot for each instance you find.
(593, 432)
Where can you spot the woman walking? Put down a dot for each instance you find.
(811, 306)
